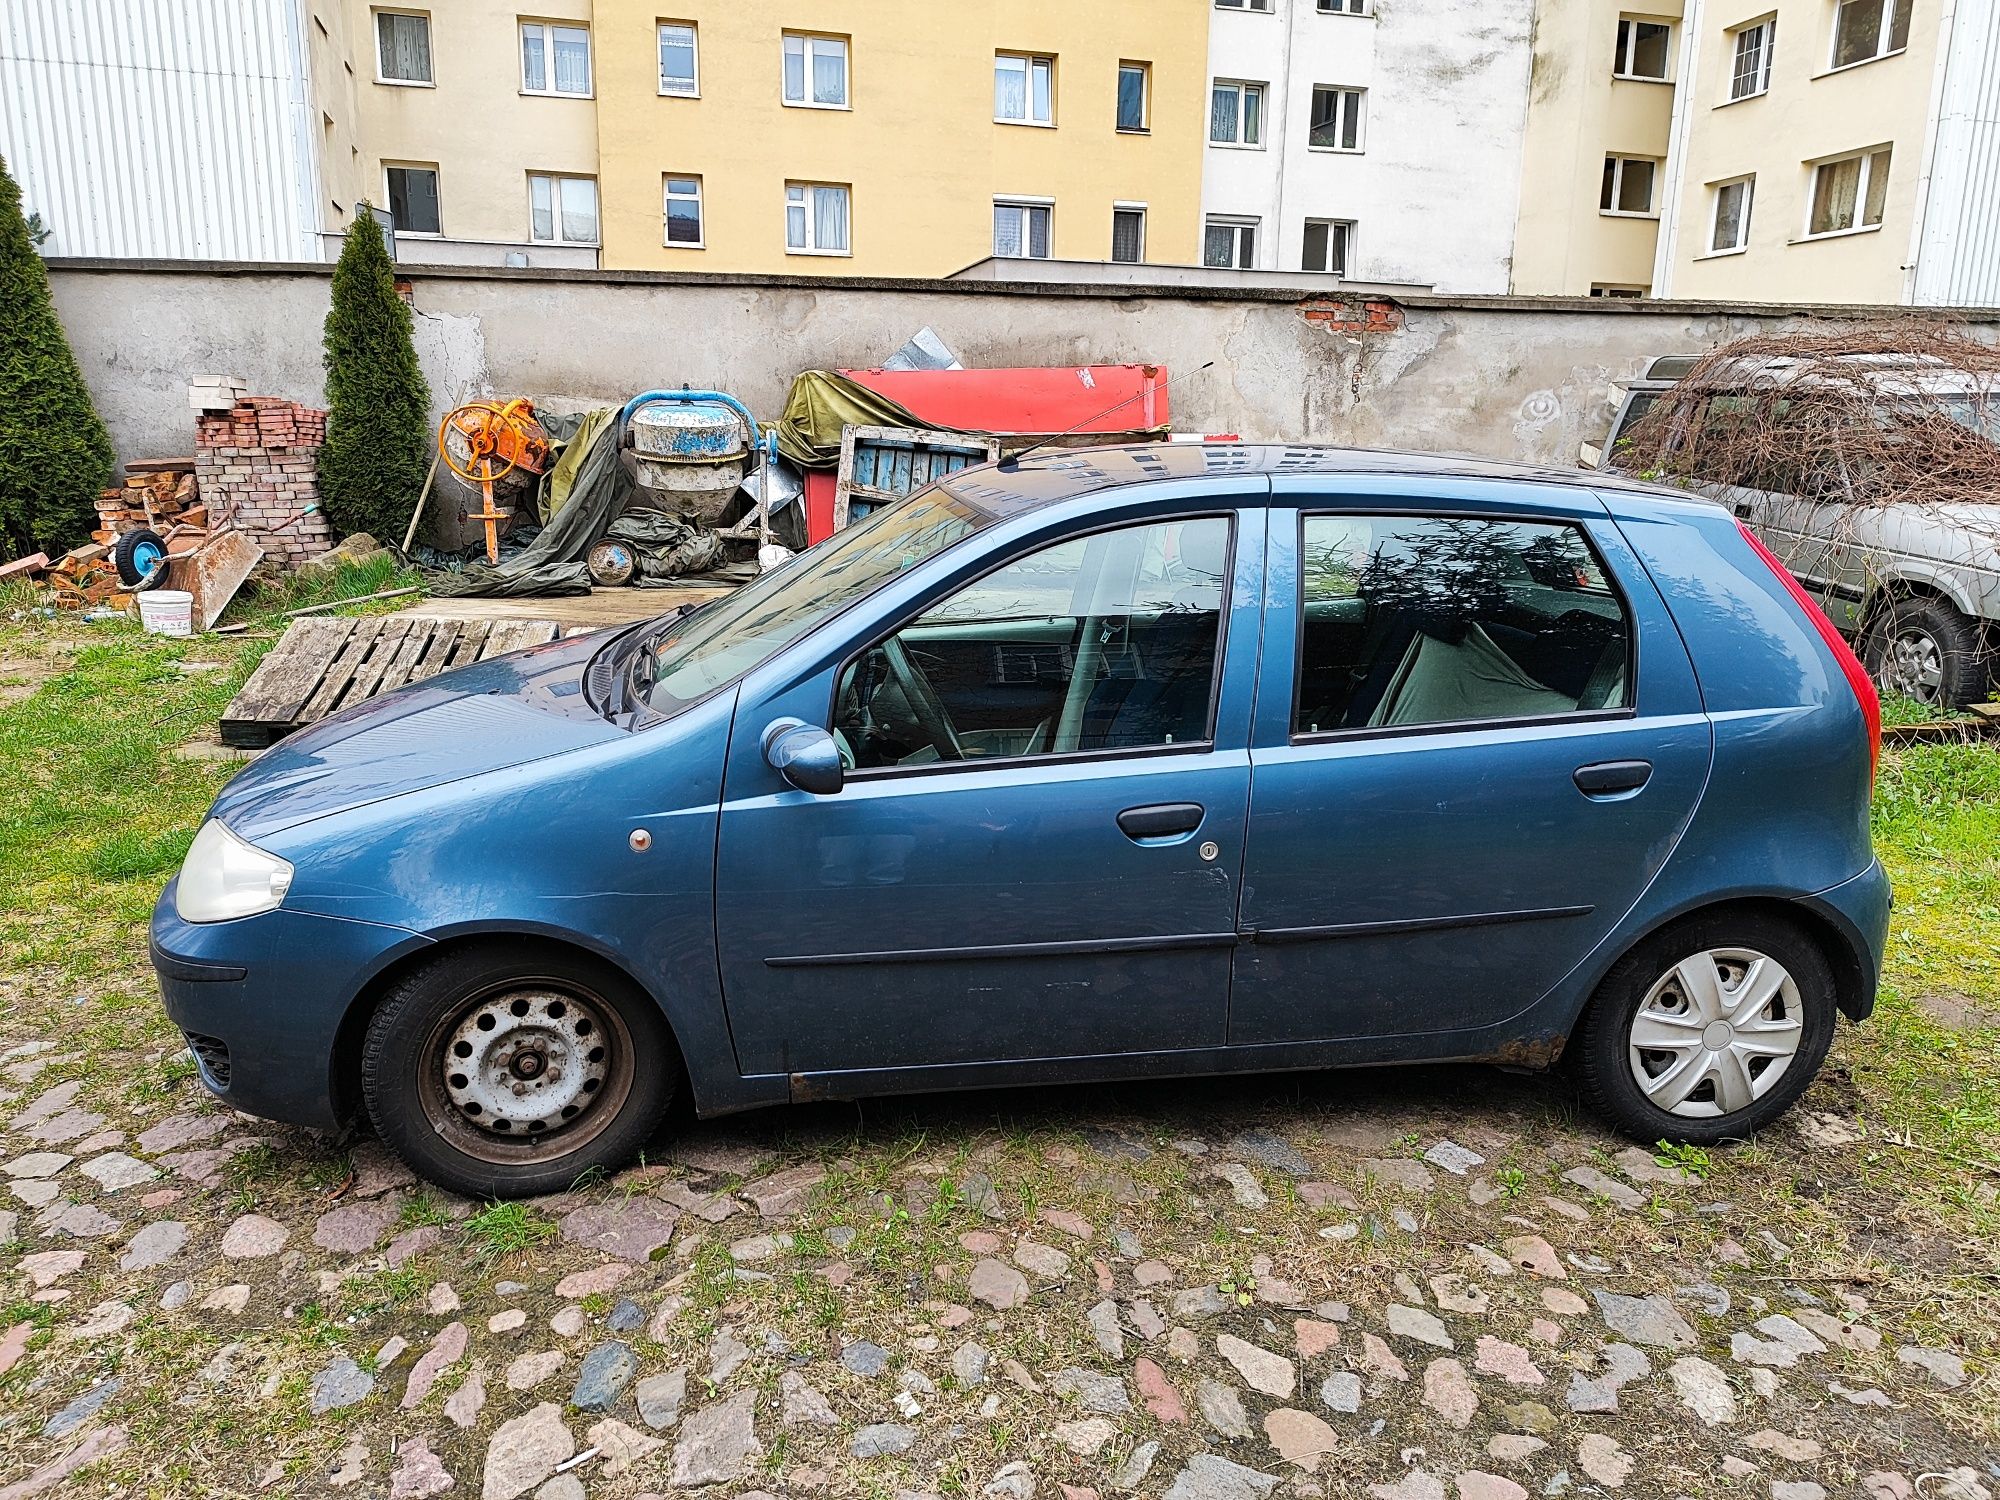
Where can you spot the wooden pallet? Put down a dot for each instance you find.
(322, 666)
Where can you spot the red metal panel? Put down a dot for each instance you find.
(1037, 401)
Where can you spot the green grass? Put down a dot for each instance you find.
(503, 1229)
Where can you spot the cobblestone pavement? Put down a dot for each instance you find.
(1415, 1285)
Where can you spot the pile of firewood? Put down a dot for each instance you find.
(158, 494)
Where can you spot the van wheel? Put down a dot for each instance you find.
(1923, 648)
(506, 1071)
(1708, 1031)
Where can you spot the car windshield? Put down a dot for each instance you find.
(1978, 411)
(732, 635)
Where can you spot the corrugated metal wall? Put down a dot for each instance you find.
(1958, 257)
(167, 128)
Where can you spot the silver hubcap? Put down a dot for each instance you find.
(1716, 1032)
(525, 1063)
(1915, 667)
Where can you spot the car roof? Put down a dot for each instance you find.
(1895, 374)
(1054, 475)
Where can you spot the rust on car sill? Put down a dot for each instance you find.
(1529, 1052)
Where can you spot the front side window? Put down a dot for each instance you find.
(562, 210)
(816, 218)
(1750, 64)
(1867, 29)
(1101, 643)
(1133, 81)
(1849, 193)
(1236, 114)
(1128, 234)
(1642, 49)
(1024, 89)
(403, 46)
(1413, 620)
(1229, 243)
(413, 199)
(1021, 230)
(1336, 119)
(815, 71)
(1327, 245)
(683, 212)
(1731, 227)
(554, 59)
(678, 59)
(1628, 185)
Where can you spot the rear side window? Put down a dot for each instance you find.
(1415, 620)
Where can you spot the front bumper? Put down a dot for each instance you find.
(262, 1001)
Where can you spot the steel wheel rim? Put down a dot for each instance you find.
(526, 1071)
(1915, 665)
(1716, 1033)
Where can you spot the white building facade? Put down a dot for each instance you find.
(1381, 148)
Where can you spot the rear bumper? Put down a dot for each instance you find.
(1859, 909)
(262, 1000)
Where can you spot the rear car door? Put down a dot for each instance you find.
(1477, 739)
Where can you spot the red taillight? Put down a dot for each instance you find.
(1850, 664)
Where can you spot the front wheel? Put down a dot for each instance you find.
(505, 1071)
(1925, 649)
(1708, 1031)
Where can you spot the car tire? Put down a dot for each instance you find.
(1648, 996)
(509, 1070)
(1924, 648)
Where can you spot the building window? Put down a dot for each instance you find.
(1134, 90)
(1750, 71)
(1729, 225)
(555, 59)
(1229, 242)
(815, 71)
(1243, 4)
(679, 59)
(1128, 233)
(1328, 245)
(1021, 229)
(562, 210)
(1642, 49)
(683, 213)
(1867, 29)
(402, 47)
(413, 199)
(816, 218)
(1343, 7)
(1236, 114)
(1849, 193)
(1617, 289)
(1628, 185)
(1336, 119)
(1024, 89)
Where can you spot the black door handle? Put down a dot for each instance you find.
(1609, 777)
(1161, 820)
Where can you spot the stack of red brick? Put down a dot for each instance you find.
(257, 465)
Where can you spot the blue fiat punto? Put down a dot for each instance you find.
(1131, 762)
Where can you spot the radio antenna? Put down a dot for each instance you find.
(1014, 459)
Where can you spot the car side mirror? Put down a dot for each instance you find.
(805, 755)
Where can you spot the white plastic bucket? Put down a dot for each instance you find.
(167, 611)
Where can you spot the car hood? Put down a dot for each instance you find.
(497, 713)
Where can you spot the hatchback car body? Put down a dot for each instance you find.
(1124, 763)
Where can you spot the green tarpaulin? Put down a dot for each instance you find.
(820, 403)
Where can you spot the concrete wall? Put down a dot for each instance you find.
(1512, 378)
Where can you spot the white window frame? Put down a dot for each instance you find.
(1029, 61)
(1768, 27)
(809, 201)
(694, 47)
(1652, 210)
(811, 44)
(1145, 72)
(1024, 206)
(1258, 7)
(415, 166)
(1345, 229)
(1352, 100)
(1867, 158)
(1243, 87)
(548, 29)
(1748, 182)
(668, 197)
(1622, 64)
(1619, 291)
(1345, 8)
(1237, 223)
(430, 47)
(555, 180)
(1882, 35)
(1118, 208)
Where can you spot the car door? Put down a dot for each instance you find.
(1477, 739)
(1035, 849)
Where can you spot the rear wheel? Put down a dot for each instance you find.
(1708, 1031)
(506, 1071)
(1925, 649)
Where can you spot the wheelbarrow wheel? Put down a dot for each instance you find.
(138, 556)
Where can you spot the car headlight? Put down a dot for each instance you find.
(223, 878)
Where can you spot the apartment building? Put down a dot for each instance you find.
(1379, 146)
